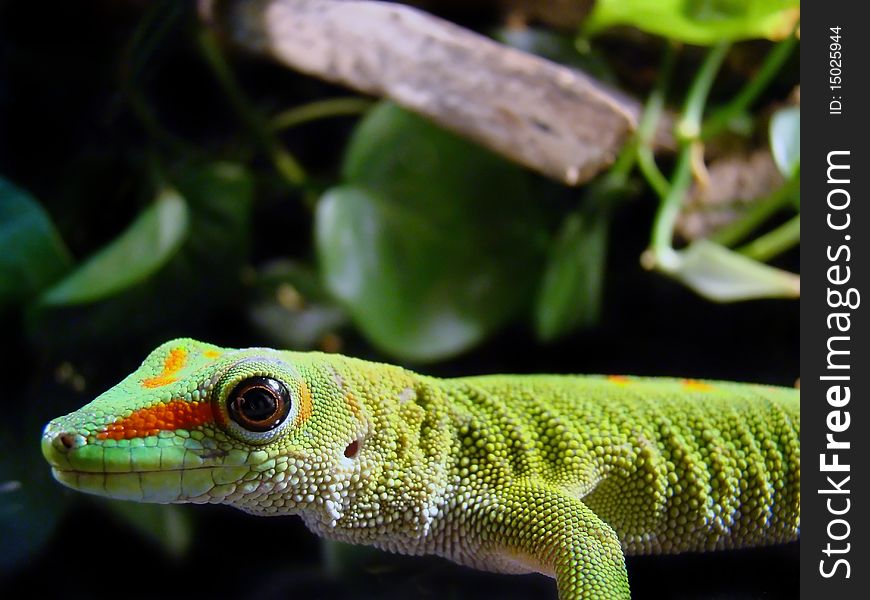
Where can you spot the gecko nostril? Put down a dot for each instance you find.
(67, 441)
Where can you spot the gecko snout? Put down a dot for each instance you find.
(58, 444)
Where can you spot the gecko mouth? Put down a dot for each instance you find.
(193, 484)
(119, 472)
(171, 473)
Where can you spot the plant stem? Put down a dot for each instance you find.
(757, 214)
(669, 210)
(774, 242)
(753, 88)
(151, 30)
(649, 122)
(283, 161)
(614, 180)
(321, 109)
(689, 127)
(646, 162)
(663, 254)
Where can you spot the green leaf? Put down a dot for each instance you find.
(785, 140)
(435, 243)
(149, 243)
(723, 275)
(32, 254)
(704, 22)
(571, 291)
(167, 525)
(186, 263)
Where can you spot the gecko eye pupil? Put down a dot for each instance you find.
(259, 403)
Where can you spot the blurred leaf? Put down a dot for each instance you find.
(147, 244)
(200, 277)
(32, 254)
(785, 140)
(167, 525)
(571, 291)
(292, 309)
(435, 243)
(703, 22)
(723, 275)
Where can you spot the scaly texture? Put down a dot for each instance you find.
(554, 474)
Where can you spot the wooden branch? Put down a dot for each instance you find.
(545, 116)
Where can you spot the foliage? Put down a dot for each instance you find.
(31, 252)
(189, 244)
(785, 140)
(135, 255)
(707, 266)
(699, 21)
(431, 243)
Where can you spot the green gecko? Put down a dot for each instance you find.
(559, 475)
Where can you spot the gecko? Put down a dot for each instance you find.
(556, 474)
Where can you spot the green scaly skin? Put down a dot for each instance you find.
(553, 474)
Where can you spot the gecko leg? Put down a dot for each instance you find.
(565, 538)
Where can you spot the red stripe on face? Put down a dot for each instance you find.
(175, 414)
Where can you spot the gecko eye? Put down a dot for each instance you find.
(259, 403)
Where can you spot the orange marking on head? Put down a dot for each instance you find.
(305, 406)
(697, 386)
(175, 414)
(171, 366)
(211, 354)
(619, 379)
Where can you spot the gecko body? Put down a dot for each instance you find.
(561, 475)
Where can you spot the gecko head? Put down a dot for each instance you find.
(198, 423)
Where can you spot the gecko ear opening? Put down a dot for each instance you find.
(352, 449)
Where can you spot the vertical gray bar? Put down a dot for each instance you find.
(835, 363)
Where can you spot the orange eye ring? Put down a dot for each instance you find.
(259, 404)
